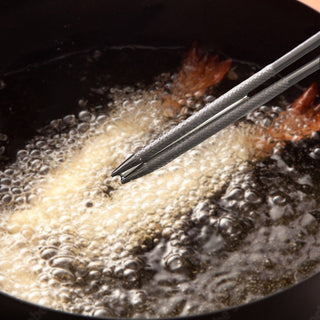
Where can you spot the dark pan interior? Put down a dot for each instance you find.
(33, 32)
(249, 30)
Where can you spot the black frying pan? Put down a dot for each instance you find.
(33, 32)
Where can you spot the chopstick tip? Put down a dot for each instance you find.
(129, 163)
(125, 180)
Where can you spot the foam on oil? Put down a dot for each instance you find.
(71, 200)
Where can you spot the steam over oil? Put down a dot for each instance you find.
(221, 225)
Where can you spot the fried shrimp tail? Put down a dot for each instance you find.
(197, 74)
(297, 122)
(302, 104)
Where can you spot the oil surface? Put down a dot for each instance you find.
(220, 226)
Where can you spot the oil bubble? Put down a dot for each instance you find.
(62, 275)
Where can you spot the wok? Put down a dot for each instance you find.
(33, 32)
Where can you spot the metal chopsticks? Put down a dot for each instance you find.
(217, 115)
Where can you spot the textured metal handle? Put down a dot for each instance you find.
(219, 104)
(222, 120)
(230, 97)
